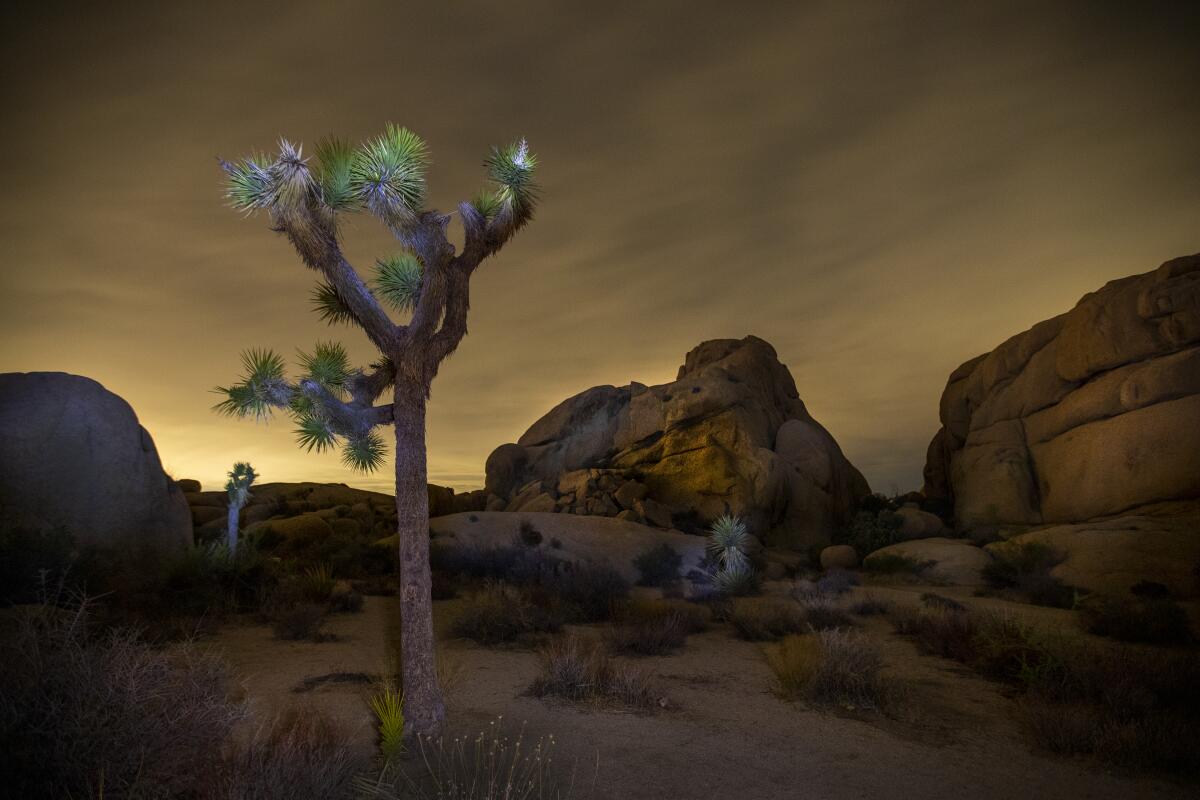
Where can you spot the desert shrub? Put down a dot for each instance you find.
(871, 530)
(32, 562)
(892, 564)
(346, 601)
(86, 711)
(932, 600)
(1024, 569)
(694, 616)
(498, 614)
(653, 636)
(831, 667)
(869, 605)
(295, 621)
(589, 592)
(529, 535)
(487, 766)
(316, 584)
(741, 581)
(837, 581)
(766, 618)
(728, 544)
(658, 565)
(950, 634)
(1144, 588)
(821, 613)
(298, 754)
(1155, 620)
(581, 671)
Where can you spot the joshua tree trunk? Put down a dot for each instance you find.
(423, 705)
(231, 527)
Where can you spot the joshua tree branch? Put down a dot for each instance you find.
(315, 240)
(346, 419)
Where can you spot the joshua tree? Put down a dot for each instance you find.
(238, 487)
(426, 280)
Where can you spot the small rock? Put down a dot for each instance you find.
(839, 556)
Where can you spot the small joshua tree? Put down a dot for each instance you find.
(426, 280)
(238, 488)
(727, 542)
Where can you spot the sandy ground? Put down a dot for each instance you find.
(724, 734)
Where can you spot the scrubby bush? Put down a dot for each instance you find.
(949, 634)
(298, 754)
(580, 671)
(766, 618)
(658, 565)
(932, 600)
(695, 617)
(316, 584)
(85, 711)
(1155, 620)
(837, 581)
(648, 637)
(831, 667)
(296, 621)
(869, 605)
(1024, 569)
(821, 613)
(529, 535)
(871, 530)
(498, 614)
(345, 601)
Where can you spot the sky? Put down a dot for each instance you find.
(882, 190)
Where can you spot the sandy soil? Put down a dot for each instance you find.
(724, 733)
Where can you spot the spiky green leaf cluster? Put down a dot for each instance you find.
(398, 280)
(511, 168)
(238, 485)
(736, 581)
(263, 387)
(388, 175)
(728, 540)
(329, 306)
(248, 182)
(334, 174)
(313, 433)
(328, 364)
(291, 181)
(364, 453)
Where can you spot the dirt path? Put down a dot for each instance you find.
(724, 734)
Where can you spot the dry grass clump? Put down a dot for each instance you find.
(498, 614)
(1136, 708)
(87, 711)
(822, 613)
(655, 627)
(300, 621)
(695, 617)
(300, 753)
(766, 618)
(831, 667)
(581, 671)
(488, 766)
(869, 605)
(1133, 618)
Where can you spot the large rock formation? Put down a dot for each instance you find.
(1092, 415)
(729, 435)
(73, 456)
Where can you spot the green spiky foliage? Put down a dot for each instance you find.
(248, 185)
(334, 174)
(511, 168)
(329, 306)
(365, 453)
(238, 485)
(327, 364)
(728, 540)
(388, 175)
(388, 706)
(398, 280)
(262, 387)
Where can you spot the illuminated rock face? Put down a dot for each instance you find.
(729, 435)
(1094, 414)
(73, 456)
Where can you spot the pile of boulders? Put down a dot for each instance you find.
(592, 492)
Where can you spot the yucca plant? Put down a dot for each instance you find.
(238, 489)
(335, 405)
(388, 706)
(316, 583)
(728, 540)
